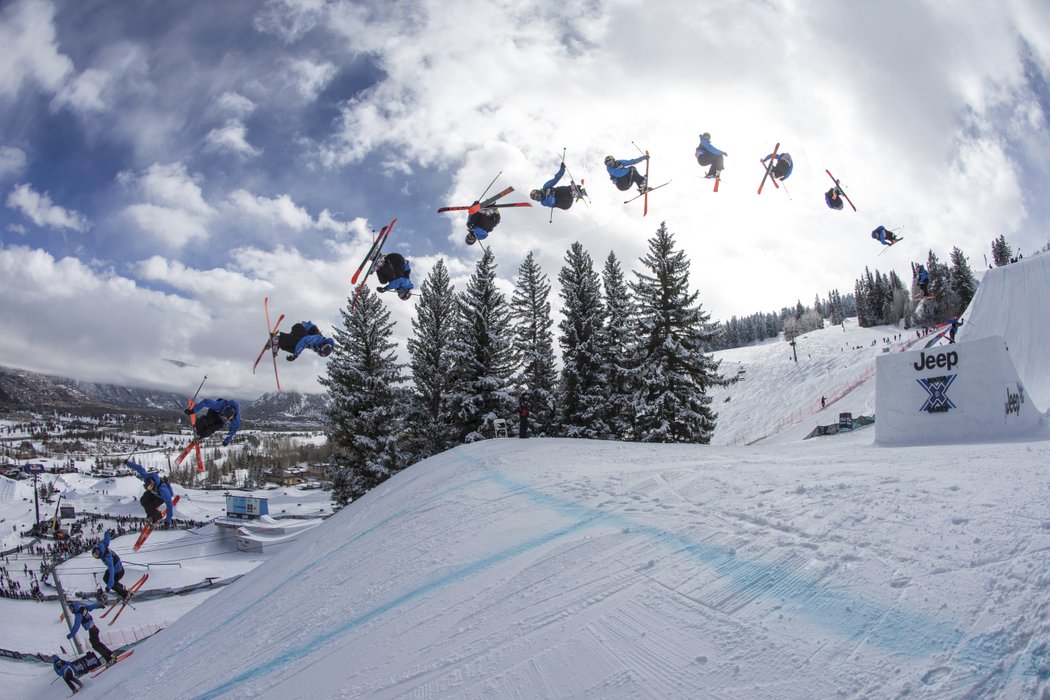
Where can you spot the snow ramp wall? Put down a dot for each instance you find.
(1012, 302)
(966, 392)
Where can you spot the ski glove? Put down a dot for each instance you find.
(290, 358)
(187, 411)
(227, 441)
(381, 288)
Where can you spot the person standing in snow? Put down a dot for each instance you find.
(64, 670)
(481, 223)
(114, 567)
(782, 165)
(706, 154)
(82, 617)
(562, 197)
(302, 336)
(523, 415)
(624, 174)
(157, 493)
(220, 413)
(393, 271)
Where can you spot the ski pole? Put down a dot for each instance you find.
(636, 146)
(199, 387)
(490, 185)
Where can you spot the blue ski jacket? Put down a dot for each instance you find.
(706, 147)
(780, 157)
(160, 487)
(622, 167)
(82, 616)
(549, 196)
(218, 405)
(110, 559)
(922, 275)
(881, 235)
(62, 666)
(313, 340)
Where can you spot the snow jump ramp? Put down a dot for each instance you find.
(964, 392)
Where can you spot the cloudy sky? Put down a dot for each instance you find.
(164, 166)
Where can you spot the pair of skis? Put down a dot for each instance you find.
(270, 344)
(123, 602)
(149, 529)
(116, 659)
(486, 203)
(769, 169)
(840, 189)
(369, 262)
(645, 193)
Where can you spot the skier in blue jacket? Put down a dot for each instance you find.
(481, 223)
(82, 617)
(561, 197)
(624, 174)
(157, 493)
(114, 567)
(706, 154)
(220, 413)
(303, 335)
(393, 271)
(64, 670)
(922, 280)
(884, 236)
(782, 165)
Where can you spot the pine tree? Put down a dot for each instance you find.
(617, 344)
(962, 282)
(674, 375)
(530, 314)
(365, 401)
(582, 384)
(482, 356)
(1001, 251)
(429, 429)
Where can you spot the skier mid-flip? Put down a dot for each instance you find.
(706, 154)
(833, 198)
(624, 174)
(157, 492)
(304, 335)
(561, 197)
(393, 270)
(220, 413)
(885, 236)
(481, 223)
(922, 279)
(782, 165)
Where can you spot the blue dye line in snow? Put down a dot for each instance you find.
(329, 552)
(898, 631)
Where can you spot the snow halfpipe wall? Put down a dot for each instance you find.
(964, 392)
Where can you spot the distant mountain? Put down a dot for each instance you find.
(28, 391)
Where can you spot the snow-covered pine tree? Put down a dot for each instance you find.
(428, 430)
(1001, 251)
(530, 315)
(674, 374)
(961, 280)
(618, 337)
(582, 382)
(482, 357)
(365, 396)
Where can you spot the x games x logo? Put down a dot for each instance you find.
(937, 387)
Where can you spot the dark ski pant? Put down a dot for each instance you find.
(633, 177)
(151, 503)
(72, 681)
(97, 645)
(714, 161)
(523, 427)
(117, 586)
(208, 424)
(288, 341)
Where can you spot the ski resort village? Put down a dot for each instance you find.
(524, 350)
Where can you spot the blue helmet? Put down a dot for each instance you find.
(96, 551)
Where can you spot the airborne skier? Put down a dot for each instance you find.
(82, 617)
(922, 279)
(833, 198)
(114, 567)
(64, 670)
(220, 412)
(157, 492)
(561, 197)
(304, 335)
(782, 165)
(706, 154)
(885, 236)
(393, 271)
(481, 223)
(624, 174)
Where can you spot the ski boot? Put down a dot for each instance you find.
(275, 341)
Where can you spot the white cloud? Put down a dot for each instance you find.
(290, 19)
(309, 78)
(282, 212)
(174, 211)
(172, 226)
(31, 54)
(12, 161)
(232, 137)
(42, 211)
(235, 104)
